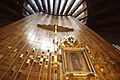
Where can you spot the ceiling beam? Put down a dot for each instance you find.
(78, 13)
(38, 5)
(32, 6)
(83, 18)
(49, 6)
(17, 6)
(63, 8)
(27, 10)
(76, 7)
(59, 3)
(44, 7)
(69, 7)
(20, 6)
(25, 13)
(54, 7)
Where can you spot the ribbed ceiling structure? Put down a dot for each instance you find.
(76, 8)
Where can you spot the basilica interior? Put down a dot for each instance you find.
(59, 40)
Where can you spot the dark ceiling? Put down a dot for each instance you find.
(103, 16)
